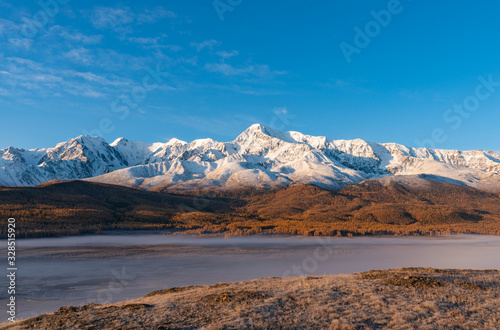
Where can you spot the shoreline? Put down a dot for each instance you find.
(194, 233)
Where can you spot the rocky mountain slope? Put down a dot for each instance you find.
(258, 157)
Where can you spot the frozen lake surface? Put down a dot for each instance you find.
(55, 272)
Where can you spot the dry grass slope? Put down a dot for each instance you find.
(411, 298)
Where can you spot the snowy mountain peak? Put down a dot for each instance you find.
(118, 141)
(261, 131)
(87, 139)
(255, 127)
(12, 154)
(174, 141)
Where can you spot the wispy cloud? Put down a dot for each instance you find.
(144, 40)
(23, 62)
(154, 15)
(174, 48)
(258, 70)
(245, 89)
(345, 85)
(75, 36)
(230, 54)
(6, 26)
(13, 36)
(409, 93)
(46, 78)
(111, 60)
(80, 55)
(106, 59)
(21, 43)
(31, 78)
(112, 80)
(210, 44)
(85, 90)
(120, 19)
(115, 19)
(155, 43)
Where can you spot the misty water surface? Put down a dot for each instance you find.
(55, 272)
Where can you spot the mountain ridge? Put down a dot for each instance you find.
(259, 157)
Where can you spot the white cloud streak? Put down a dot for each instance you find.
(210, 44)
(258, 70)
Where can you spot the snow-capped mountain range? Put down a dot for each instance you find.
(258, 157)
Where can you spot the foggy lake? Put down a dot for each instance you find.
(54, 272)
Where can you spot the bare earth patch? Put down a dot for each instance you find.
(408, 298)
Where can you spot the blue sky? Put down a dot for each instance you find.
(154, 70)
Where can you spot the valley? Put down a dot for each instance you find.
(369, 208)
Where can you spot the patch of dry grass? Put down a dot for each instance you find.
(409, 298)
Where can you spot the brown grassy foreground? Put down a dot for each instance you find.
(410, 298)
(369, 208)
